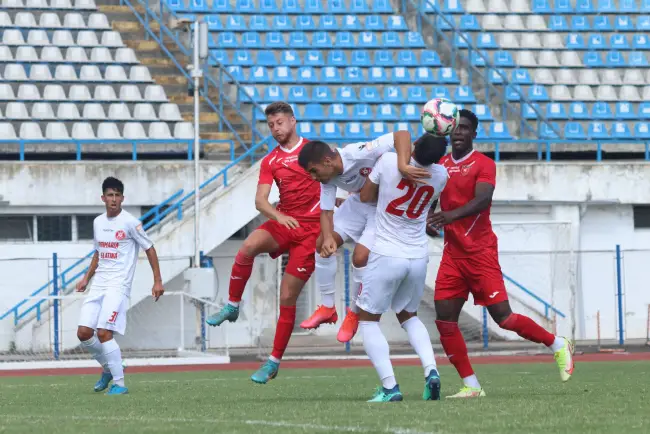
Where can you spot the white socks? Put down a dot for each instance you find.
(325, 277)
(96, 349)
(421, 343)
(557, 344)
(114, 361)
(355, 287)
(233, 303)
(472, 381)
(376, 347)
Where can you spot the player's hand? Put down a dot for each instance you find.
(328, 248)
(81, 285)
(339, 201)
(414, 174)
(157, 290)
(440, 219)
(288, 222)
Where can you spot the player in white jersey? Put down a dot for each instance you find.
(397, 266)
(347, 169)
(118, 236)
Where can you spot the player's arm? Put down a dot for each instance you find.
(370, 191)
(327, 203)
(403, 151)
(83, 283)
(262, 194)
(152, 257)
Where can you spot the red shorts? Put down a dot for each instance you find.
(479, 274)
(300, 243)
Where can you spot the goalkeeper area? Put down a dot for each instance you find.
(524, 395)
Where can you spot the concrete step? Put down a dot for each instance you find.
(120, 9)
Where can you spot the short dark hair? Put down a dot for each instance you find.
(113, 184)
(277, 108)
(429, 149)
(467, 114)
(314, 152)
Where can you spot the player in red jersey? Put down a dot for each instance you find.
(292, 227)
(470, 261)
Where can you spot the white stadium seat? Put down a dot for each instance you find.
(15, 72)
(108, 131)
(60, 4)
(184, 130)
(26, 54)
(42, 111)
(62, 38)
(87, 38)
(40, 72)
(6, 92)
(51, 54)
(498, 6)
(82, 131)
(155, 93)
(513, 22)
(28, 92)
(566, 76)
(588, 77)
(134, 131)
(101, 55)
(570, 59)
(79, 92)
(475, 7)
(169, 112)
(30, 131)
(49, 20)
(25, 20)
(56, 131)
(85, 4)
(543, 76)
(611, 76)
(631, 93)
(536, 23)
(115, 73)
(140, 73)
(68, 111)
(54, 92)
(76, 55)
(16, 110)
(518, 6)
(36, 4)
(5, 54)
(560, 92)
(98, 21)
(647, 76)
(492, 22)
(38, 38)
(90, 73)
(94, 112)
(531, 40)
(119, 112)
(605, 92)
(551, 41)
(7, 130)
(104, 92)
(508, 40)
(527, 59)
(13, 4)
(582, 92)
(13, 37)
(65, 73)
(144, 112)
(130, 92)
(74, 20)
(5, 19)
(125, 55)
(633, 77)
(159, 130)
(112, 39)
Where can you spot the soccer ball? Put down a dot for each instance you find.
(439, 117)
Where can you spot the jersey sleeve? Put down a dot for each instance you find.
(487, 172)
(95, 243)
(136, 231)
(266, 174)
(373, 149)
(327, 197)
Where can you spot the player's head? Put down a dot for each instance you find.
(319, 160)
(462, 138)
(113, 194)
(281, 122)
(429, 149)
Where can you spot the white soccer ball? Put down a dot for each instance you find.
(439, 117)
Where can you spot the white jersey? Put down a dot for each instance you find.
(117, 241)
(358, 161)
(402, 208)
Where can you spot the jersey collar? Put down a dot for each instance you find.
(462, 159)
(289, 151)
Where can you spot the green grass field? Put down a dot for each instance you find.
(603, 397)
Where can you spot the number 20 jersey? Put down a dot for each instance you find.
(402, 208)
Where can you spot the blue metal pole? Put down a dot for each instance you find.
(346, 268)
(55, 292)
(619, 295)
(485, 328)
(203, 329)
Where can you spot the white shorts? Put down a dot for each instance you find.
(105, 311)
(355, 219)
(392, 284)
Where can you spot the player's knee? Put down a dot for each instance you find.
(500, 311)
(404, 316)
(104, 335)
(248, 249)
(84, 333)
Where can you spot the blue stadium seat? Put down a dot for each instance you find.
(637, 59)
(480, 132)
(644, 110)
(312, 58)
(597, 130)
(351, 23)
(214, 22)
(360, 58)
(275, 40)
(619, 41)
(623, 23)
(521, 76)
(322, 94)
(606, 6)
(354, 74)
(414, 40)
(359, 7)
(377, 74)
(592, 59)
(464, 94)
(640, 42)
(440, 92)
(409, 112)
(299, 40)
(575, 41)
(537, 92)
(374, 23)
(441, 23)
(369, 94)
(306, 129)
(469, 23)
(496, 76)
(393, 94)
(452, 7)
(291, 58)
(404, 58)
(549, 131)
(259, 23)
(448, 76)
(563, 7)
(384, 58)
(283, 74)
(269, 7)
(321, 40)
(625, 110)
(425, 75)
(274, 93)
(175, 5)
(267, 58)
(585, 7)
(645, 6)
(245, 6)
(391, 40)
(614, 59)
(429, 58)
(479, 58)
(219, 56)
(578, 110)
(307, 74)
(556, 111)
(237, 72)
(235, 23)
(313, 112)
(330, 130)
(316, 6)
(643, 23)
(291, 7)
(486, 41)
(642, 130)
(602, 23)
(627, 6)
(244, 58)
(338, 7)
(558, 23)
(248, 93)
(482, 112)
(503, 59)
(580, 23)
(328, 23)
(346, 94)
(597, 42)
(511, 92)
(253, 40)
(382, 6)
(416, 94)
(366, 40)
(574, 131)
(499, 130)
(400, 74)
(463, 40)
(337, 58)
(354, 130)
(620, 130)
(396, 23)
(198, 6)
(386, 112)
(227, 40)
(378, 129)
(345, 40)
(530, 111)
(298, 95)
(542, 7)
(601, 110)
(404, 126)
(303, 22)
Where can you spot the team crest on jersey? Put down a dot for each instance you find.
(464, 170)
(365, 171)
(120, 235)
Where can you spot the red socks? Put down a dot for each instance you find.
(284, 330)
(454, 345)
(241, 272)
(527, 329)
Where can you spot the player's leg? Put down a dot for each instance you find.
(112, 319)
(268, 238)
(298, 271)
(451, 292)
(381, 282)
(406, 302)
(88, 337)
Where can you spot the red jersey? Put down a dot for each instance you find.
(473, 233)
(299, 193)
